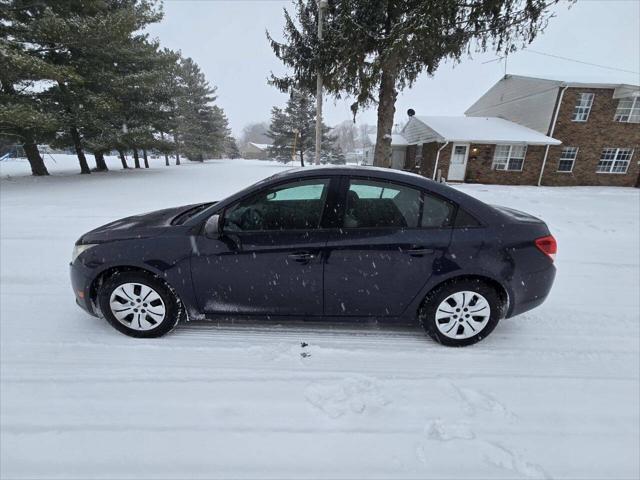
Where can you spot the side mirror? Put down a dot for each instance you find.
(213, 227)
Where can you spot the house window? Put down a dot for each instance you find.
(509, 157)
(583, 107)
(614, 160)
(567, 159)
(628, 110)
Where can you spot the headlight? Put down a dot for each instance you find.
(78, 249)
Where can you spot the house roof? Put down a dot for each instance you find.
(260, 146)
(483, 130)
(595, 81)
(396, 139)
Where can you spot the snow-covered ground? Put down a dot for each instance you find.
(553, 393)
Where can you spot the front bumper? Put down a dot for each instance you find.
(81, 286)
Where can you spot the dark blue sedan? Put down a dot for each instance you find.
(321, 243)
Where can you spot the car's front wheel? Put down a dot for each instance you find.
(461, 312)
(139, 304)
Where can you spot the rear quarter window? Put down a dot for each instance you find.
(465, 220)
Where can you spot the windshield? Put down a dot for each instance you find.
(186, 215)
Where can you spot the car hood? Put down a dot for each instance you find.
(140, 226)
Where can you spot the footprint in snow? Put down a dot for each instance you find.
(475, 402)
(443, 439)
(350, 396)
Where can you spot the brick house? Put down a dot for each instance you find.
(598, 124)
(472, 149)
(591, 136)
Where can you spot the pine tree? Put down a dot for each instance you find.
(231, 148)
(23, 116)
(201, 126)
(76, 34)
(295, 125)
(292, 128)
(373, 50)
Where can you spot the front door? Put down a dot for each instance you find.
(458, 164)
(392, 239)
(269, 258)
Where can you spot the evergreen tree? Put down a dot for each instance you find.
(82, 73)
(23, 117)
(295, 124)
(373, 50)
(231, 148)
(71, 36)
(202, 127)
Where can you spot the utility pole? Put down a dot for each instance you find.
(322, 5)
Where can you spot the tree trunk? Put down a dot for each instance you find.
(136, 158)
(301, 158)
(386, 111)
(101, 165)
(38, 167)
(166, 157)
(75, 137)
(177, 158)
(146, 160)
(123, 159)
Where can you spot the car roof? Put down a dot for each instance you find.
(376, 172)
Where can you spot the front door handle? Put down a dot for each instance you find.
(302, 257)
(418, 251)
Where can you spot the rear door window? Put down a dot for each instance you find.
(376, 204)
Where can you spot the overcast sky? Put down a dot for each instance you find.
(227, 39)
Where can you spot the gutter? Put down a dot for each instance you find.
(553, 127)
(435, 168)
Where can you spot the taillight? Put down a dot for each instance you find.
(548, 246)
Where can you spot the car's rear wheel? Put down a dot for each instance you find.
(461, 312)
(139, 304)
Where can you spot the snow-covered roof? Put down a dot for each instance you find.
(261, 146)
(613, 80)
(396, 139)
(484, 130)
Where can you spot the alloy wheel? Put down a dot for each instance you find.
(462, 315)
(137, 306)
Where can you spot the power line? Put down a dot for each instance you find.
(579, 61)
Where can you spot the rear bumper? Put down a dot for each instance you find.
(81, 286)
(531, 290)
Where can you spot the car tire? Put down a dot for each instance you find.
(461, 312)
(139, 304)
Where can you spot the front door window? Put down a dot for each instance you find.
(293, 206)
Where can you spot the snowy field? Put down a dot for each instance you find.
(553, 393)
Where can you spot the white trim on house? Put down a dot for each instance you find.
(507, 156)
(613, 159)
(582, 109)
(459, 171)
(567, 154)
(628, 110)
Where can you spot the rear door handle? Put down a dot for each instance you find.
(302, 257)
(418, 251)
